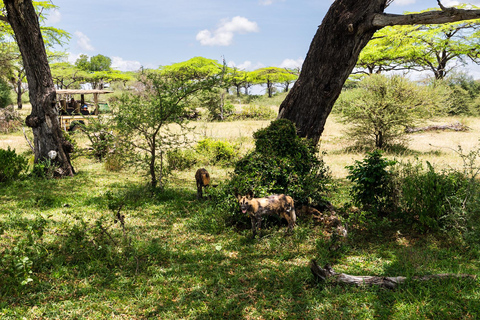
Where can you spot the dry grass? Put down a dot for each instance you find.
(437, 147)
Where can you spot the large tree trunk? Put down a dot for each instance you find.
(43, 120)
(344, 32)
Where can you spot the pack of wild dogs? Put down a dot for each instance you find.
(280, 205)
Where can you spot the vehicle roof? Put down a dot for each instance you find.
(80, 91)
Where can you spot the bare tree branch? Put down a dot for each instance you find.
(447, 15)
(441, 5)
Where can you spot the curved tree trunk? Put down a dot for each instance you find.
(43, 120)
(344, 32)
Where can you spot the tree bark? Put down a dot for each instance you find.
(48, 135)
(347, 27)
(344, 32)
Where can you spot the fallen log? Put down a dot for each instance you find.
(457, 126)
(322, 274)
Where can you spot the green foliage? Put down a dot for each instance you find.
(380, 109)
(372, 189)
(430, 197)
(462, 93)
(217, 151)
(206, 152)
(93, 64)
(433, 47)
(102, 139)
(280, 163)
(12, 165)
(423, 199)
(181, 159)
(256, 112)
(151, 122)
(5, 91)
(43, 169)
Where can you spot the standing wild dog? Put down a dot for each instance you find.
(203, 180)
(280, 205)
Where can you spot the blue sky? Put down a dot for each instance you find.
(249, 33)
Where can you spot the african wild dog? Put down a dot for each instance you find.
(280, 205)
(203, 180)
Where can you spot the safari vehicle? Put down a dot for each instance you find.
(72, 112)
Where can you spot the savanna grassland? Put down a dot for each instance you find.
(64, 256)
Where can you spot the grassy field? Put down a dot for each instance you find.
(175, 259)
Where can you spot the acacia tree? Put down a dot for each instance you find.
(427, 47)
(48, 135)
(144, 119)
(270, 76)
(346, 29)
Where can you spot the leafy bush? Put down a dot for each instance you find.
(44, 169)
(372, 189)
(380, 109)
(280, 163)
(256, 112)
(423, 199)
(429, 198)
(5, 98)
(13, 165)
(181, 159)
(217, 151)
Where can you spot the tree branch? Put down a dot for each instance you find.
(322, 274)
(447, 15)
(4, 18)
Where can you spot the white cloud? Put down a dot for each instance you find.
(246, 65)
(291, 64)
(268, 2)
(403, 2)
(73, 57)
(125, 65)
(54, 16)
(223, 35)
(83, 41)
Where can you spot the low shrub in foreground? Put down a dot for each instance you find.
(422, 198)
(12, 165)
(280, 163)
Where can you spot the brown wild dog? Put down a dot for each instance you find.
(203, 180)
(280, 205)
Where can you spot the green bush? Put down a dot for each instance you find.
(422, 199)
(5, 90)
(181, 159)
(12, 165)
(372, 189)
(256, 112)
(217, 151)
(281, 163)
(380, 109)
(430, 199)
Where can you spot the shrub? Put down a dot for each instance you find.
(217, 151)
(5, 98)
(12, 165)
(280, 163)
(181, 159)
(372, 189)
(256, 112)
(380, 109)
